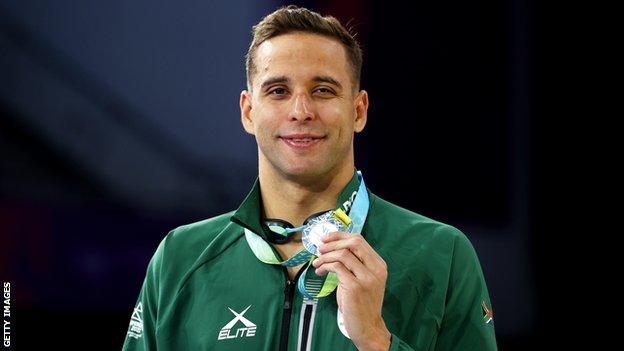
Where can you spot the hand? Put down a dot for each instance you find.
(362, 275)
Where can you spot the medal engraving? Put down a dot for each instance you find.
(319, 228)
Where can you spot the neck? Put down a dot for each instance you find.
(294, 199)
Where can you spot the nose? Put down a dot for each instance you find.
(302, 109)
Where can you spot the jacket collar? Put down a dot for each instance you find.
(249, 213)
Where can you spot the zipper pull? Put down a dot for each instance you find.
(288, 294)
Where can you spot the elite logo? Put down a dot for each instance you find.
(248, 330)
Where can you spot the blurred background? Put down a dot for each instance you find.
(119, 121)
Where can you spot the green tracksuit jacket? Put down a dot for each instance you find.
(205, 289)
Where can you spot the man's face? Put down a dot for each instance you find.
(303, 109)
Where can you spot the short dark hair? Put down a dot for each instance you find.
(298, 19)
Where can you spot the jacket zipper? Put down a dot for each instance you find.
(288, 297)
(289, 292)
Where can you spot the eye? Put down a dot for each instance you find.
(324, 90)
(278, 91)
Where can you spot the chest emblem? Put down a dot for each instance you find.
(229, 331)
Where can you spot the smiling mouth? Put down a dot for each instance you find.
(302, 142)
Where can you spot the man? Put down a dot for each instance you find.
(282, 272)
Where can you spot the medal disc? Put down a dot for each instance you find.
(319, 228)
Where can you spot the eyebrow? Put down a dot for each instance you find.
(274, 80)
(284, 79)
(327, 79)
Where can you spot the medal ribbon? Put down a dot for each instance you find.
(311, 285)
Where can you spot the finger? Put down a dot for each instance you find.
(355, 243)
(360, 248)
(335, 236)
(345, 276)
(348, 259)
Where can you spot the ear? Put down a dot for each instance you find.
(246, 115)
(361, 111)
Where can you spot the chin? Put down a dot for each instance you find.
(298, 167)
(303, 170)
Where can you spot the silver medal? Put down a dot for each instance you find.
(318, 228)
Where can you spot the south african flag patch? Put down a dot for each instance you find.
(488, 314)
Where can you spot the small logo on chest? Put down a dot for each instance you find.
(231, 331)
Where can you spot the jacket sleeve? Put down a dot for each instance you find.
(468, 322)
(141, 335)
(396, 344)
